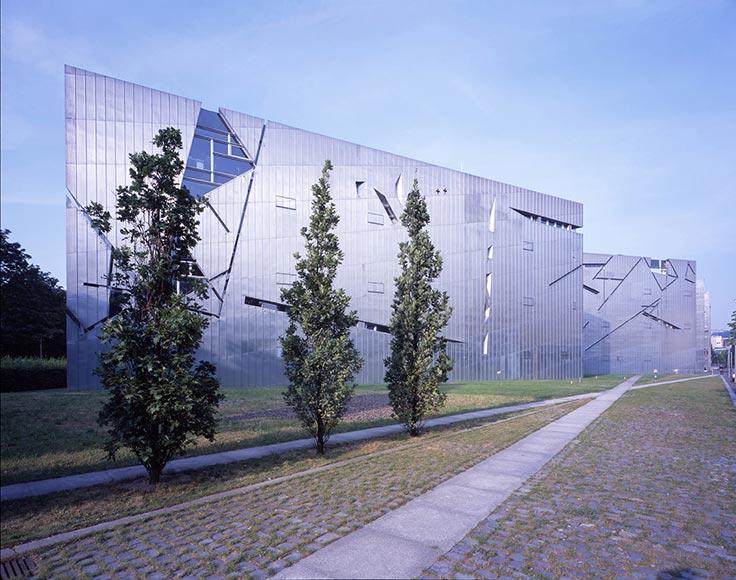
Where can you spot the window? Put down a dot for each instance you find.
(375, 287)
(285, 202)
(216, 155)
(527, 301)
(267, 304)
(375, 218)
(115, 306)
(490, 252)
(489, 280)
(492, 217)
(359, 186)
(485, 344)
(386, 205)
(285, 279)
(526, 354)
(400, 191)
(527, 246)
(376, 327)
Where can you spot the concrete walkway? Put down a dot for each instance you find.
(66, 483)
(730, 390)
(70, 482)
(405, 541)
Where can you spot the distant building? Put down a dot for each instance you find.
(719, 339)
(640, 316)
(512, 257)
(703, 323)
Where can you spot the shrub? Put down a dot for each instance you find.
(30, 373)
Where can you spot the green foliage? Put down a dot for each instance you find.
(418, 362)
(32, 318)
(732, 330)
(30, 373)
(161, 398)
(319, 356)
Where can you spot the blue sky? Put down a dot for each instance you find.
(627, 106)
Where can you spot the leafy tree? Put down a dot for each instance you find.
(161, 398)
(32, 318)
(317, 350)
(418, 362)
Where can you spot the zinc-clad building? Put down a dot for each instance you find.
(513, 260)
(640, 316)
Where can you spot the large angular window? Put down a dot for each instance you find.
(216, 155)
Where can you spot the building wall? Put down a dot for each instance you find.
(703, 325)
(640, 315)
(512, 258)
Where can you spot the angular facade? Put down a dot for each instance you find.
(512, 258)
(640, 315)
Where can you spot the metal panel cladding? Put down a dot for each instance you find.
(512, 257)
(640, 315)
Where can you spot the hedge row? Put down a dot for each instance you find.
(27, 373)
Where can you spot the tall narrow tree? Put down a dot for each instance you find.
(418, 362)
(319, 355)
(161, 398)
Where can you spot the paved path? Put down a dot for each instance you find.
(405, 541)
(645, 492)
(69, 482)
(46, 486)
(730, 390)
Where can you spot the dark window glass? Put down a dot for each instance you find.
(199, 154)
(220, 147)
(211, 120)
(197, 174)
(117, 298)
(231, 166)
(205, 133)
(237, 151)
(197, 189)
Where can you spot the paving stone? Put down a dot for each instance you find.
(283, 521)
(625, 501)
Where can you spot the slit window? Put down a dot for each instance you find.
(375, 287)
(285, 202)
(375, 218)
(386, 205)
(285, 279)
(492, 217)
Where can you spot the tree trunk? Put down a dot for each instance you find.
(154, 474)
(320, 437)
(414, 430)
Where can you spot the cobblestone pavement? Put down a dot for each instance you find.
(647, 491)
(260, 533)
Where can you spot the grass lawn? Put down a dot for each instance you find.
(372, 477)
(53, 433)
(647, 379)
